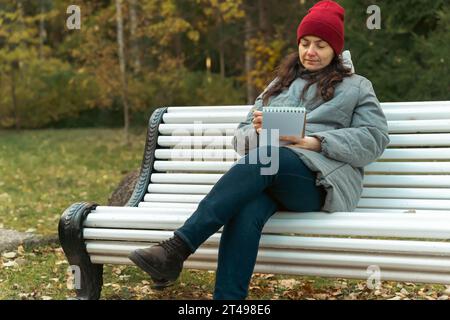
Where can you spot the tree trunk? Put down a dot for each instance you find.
(264, 19)
(221, 49)
(123, 79)
(222, 62)
(15, 69)
(249, 60)
(42, 32)
(134, 41)
(15, 109)
(178, 46)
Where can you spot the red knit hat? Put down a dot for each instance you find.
(326, 21)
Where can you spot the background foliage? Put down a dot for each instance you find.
(54, 77)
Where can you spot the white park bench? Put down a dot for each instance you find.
(400, 228)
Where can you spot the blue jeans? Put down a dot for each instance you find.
(242, 201)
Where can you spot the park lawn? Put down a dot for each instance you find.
(42, 172)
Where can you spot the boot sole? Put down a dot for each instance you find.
(160, 282)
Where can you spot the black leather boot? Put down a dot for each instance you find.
(163, 262)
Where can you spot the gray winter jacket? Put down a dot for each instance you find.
(352, 128)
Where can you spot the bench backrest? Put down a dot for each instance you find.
(412, 174)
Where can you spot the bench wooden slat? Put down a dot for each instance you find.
(205, 117)
(416, 153)
(144, 204)
(374, 214)
(193, 206)
(214, 129)
(231, 155)
(423, 140)
(236, 115)
(435, 204)
(428, 204)
(375, 167)
(396, 140)
(203, 154)
(384, 105)
(417, 112)
(407, 193)
(414, 104)
(205, 129)
(419, 126)
(409, 167)
(196, 109)
(413, 228)
(440, 181)
(195, 141)
(362, 206)
(177, 188)
(165, 197)
(239, 116)
(345, 272)
(199, 166)
(412, 247)
(206, 178)
(410, 263)
(298, 257)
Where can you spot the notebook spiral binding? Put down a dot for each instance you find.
(285, 109)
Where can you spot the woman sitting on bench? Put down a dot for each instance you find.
(345, 131)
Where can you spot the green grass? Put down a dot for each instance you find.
(43, 172)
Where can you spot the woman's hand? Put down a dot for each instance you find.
(309, 143)
(257, 120)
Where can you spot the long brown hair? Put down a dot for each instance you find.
(326, 78)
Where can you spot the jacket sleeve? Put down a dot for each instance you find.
(245, 137)
(366, 138)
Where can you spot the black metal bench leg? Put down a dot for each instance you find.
(88, 276)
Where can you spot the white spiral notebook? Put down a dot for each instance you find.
(290, 121)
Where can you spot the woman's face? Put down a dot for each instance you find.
(314, 53)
